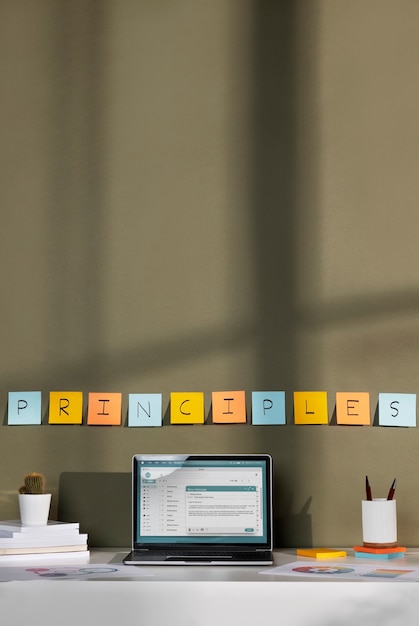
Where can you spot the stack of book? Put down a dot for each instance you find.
(54, 539)
(395, 552)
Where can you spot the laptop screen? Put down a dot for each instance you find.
(202, 499)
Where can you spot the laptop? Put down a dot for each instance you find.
(201, 509)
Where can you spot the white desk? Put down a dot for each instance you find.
(208, 596)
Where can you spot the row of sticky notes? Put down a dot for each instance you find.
(227, 407)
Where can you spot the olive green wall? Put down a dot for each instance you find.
(214, 195)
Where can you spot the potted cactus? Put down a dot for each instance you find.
(34, 503)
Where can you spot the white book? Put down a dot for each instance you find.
(52, 526)
(79, 556)
(75, 539)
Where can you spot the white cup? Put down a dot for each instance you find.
(379, 523)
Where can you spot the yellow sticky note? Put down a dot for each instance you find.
(65, 407)
(104, 409)
(310, 407)
(321, 553)
(353, 408)
(187, 408)
(228, 407)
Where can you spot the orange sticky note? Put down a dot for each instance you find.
(353, 408)
(187, 408)
(310, 407)
(65, 407)
(104, 409)
(228, 407)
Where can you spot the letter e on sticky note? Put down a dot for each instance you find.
(353, 408)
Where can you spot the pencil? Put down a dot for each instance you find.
(368, 488)
(392, 490)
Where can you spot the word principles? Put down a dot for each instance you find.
(227, 407)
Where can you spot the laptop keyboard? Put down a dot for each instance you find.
(202, 555)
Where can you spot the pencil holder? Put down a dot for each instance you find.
(379, 523)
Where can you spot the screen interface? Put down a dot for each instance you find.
(198, 501)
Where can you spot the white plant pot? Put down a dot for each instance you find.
(34, 508)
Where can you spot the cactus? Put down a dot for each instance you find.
(33, 483)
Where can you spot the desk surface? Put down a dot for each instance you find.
(204, 596)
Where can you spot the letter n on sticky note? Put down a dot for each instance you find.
(104, 409)
(228, 407)
(65, 407)
(145, 409)
(187, 408)
(353, 408)
(310, 407)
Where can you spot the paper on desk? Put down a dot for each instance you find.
(81, 572)
(377, 573)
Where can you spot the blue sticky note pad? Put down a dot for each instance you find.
(145, 409)
(384, 556)
(25, 407)
(397, 409)
(268, 407)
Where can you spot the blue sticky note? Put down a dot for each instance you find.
(383, 556)
(268, 407)
(397, 409)
(25, 407)
(145, 409)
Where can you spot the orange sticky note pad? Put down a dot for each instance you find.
(187, 408)
(65, 407)
(104, 409)
(310, 407)
(228, 407)
(353, 408)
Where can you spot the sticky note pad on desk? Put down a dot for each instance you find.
(321, 553)
(383, 555)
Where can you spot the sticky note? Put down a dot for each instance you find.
(390, 555)
(187, 407)
(228, 407)
(321, 553)
(104, 409)
(397, 409)
(65, 407)
(310, 407)
(268, 407)
(353, 408)
(145, 409)
(24, 407)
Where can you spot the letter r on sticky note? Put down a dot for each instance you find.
(310, 407)
(65, 407)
